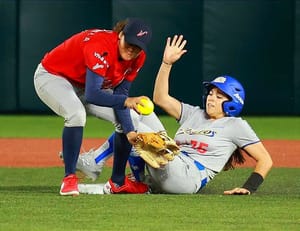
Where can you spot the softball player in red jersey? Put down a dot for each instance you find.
(91, 72)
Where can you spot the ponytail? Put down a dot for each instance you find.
(236, 158)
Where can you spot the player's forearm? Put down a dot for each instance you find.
(161, 95)
(161, 86)
(261, 170)
(262, 157)
(263, 167)
(95, 95)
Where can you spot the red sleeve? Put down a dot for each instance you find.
(95, 55)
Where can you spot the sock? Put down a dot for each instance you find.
(105, 151)
(71, 142)
(137, 166)
(122, 149)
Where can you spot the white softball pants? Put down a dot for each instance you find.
(179, 176)
(68, 101)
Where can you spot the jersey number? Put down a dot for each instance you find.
(199, 146)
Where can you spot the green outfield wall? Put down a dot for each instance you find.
(257, 41)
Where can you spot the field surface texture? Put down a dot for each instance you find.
(31, 173)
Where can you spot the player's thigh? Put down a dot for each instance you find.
(178, 176)
(105, 113)
(150, 123)
(108, 113)
(59, 95)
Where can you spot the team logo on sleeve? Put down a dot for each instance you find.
(103, 63)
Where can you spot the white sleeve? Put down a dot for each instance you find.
(244, 134)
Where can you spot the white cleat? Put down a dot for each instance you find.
(87, 165)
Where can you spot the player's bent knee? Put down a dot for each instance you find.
(77, 119)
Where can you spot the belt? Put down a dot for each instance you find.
(200, 167)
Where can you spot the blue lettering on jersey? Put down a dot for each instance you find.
(190, 131)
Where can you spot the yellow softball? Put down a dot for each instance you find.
(145, 107)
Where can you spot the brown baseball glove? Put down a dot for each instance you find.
(157, 149)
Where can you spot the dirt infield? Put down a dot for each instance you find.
(44, 152)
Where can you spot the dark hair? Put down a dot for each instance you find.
(119, 26)
(236, 158)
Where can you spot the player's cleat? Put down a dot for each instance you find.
(69, 186)
(87, 165)
(130, 186)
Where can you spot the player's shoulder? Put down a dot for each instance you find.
(101, 42)
(233, 119)
(94, 35)
(237, 121)
(191, 112)
(191, 109)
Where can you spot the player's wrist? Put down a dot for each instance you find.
(253, 182)
(167, 63)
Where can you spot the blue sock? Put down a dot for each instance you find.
(122, 148)
(71, 142)
(137, 166)
(107, 151)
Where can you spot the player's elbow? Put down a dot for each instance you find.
(269, 162)
(155, 99)
(159, 98)
(266, 165)
(160, 101)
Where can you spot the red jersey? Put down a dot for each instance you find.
(94, 49)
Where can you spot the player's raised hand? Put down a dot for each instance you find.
(174, 49)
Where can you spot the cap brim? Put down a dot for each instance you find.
(136, 42)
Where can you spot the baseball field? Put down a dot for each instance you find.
(31, 173)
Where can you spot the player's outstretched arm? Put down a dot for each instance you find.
(174, 49)
(263, 166)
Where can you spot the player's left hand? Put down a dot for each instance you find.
(132, 137)
(237, 191)
(174, 49)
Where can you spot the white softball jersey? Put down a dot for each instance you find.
(206, 145)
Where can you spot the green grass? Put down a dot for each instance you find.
(276, 127)
(51, 126)
(30, 201)
(29, 198)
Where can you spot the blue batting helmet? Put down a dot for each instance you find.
(233, 89)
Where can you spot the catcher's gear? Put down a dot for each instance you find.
(157, 149)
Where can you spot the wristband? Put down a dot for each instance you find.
(253, 182)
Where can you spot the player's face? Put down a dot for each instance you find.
(214, 102)
(128, 51)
